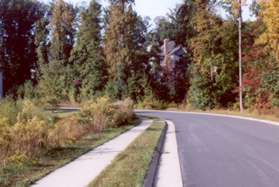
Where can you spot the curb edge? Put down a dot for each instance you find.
(150, 178)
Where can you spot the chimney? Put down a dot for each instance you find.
(166, 47)
(165, 61)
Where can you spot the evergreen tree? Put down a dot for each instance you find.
(57, 80)
(201, 91)
(87, 56)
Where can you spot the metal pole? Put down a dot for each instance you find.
(240, 57)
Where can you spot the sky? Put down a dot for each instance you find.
(151, 8)
(154, 8)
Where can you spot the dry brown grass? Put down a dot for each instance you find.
(33, 133)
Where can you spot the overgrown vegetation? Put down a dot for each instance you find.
(31, 133)
(137, 156)
(56, 53)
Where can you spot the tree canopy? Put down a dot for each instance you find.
(64, 53)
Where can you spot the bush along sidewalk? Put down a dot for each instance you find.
(133, 166)
(34, 143)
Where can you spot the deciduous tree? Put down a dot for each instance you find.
(270, 16)
(18, 52)
(123, 47)
(62, 31)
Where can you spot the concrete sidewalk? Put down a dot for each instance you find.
(86, 168)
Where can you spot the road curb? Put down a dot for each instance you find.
(150, 178)
(169, 172)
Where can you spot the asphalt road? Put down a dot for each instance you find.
(225, 152)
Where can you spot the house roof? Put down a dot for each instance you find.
(172, 49)
(179, 51)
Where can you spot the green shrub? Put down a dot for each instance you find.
(270, 84)
(27, 91)
(30, 110)
(30, 131)
(55, 83)
(4, 137)
(17, 160)
(23, 128)
(97, 113)
(9, 109)
(122, 113)
(111, 90)
(200, 94)
(101, 113)
(29, 136)
(15, 164)
(95, 116)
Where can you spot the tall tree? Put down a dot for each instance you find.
(87, 56)
(62, 31)
(270, 16)
(57, 80)
(214, 57)
(124, 39)
(18, 53)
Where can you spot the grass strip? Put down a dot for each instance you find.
(130, 167)
(24, 174)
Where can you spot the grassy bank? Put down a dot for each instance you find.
(131, 166)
